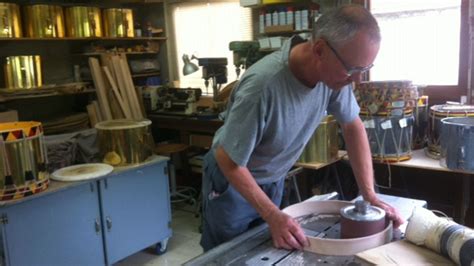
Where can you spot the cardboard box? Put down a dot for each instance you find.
(8, 116)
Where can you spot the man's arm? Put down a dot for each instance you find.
(358, 149)
(286, 232)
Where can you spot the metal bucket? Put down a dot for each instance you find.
(10, 21)
(125, 142)
(23, 71)
(118, 22)
(44, 21)
(322, 147)
(457, 143)
(83, 21)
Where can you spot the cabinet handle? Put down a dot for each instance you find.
(97, 226)
(108, 221)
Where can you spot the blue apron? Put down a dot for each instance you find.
(226, 213)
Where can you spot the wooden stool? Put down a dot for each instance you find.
(178, 193)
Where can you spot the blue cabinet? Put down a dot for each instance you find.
(89, 223)
(136, 211)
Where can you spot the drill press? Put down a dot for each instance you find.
(245, 54)
(214, 69)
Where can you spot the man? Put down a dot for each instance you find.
(273, 111)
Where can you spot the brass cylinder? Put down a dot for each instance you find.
(83, 21)
(10, 21)
(23, 71)
(125, 142)
(322, 147)
(118, 22)
(44, 21)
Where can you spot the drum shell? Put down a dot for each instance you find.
(386, 97)
(436, 114)
(23, 159)
(83, 21)
(457, 143)
(390, 137)
(44, 21)
(10, 21)
(323, 146)
(132, 144)
(23, 72)
(118, 22)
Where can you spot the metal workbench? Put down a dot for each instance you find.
(255, 247)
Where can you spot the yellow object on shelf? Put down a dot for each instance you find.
(118, 22)
(23, 72)
(271, 2)
(11, 21)
(83, 21)
(322, 147)
(44, 21)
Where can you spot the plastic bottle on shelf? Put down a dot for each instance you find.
(275, 18)
(304, 19)
(268, 18)
(290, 20)
(261, 22)
(298, 19)
(282, 16)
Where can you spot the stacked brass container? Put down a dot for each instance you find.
(322, 147)
(118, 22)
(44, 21)
(83, 21)
(23, 71)
(10, 21)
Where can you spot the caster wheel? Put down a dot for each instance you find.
(161, 247)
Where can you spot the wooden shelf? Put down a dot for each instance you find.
(87, 39)
(45, 91)
(150, 74)
(113, 52)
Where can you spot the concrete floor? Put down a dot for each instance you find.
(182, 246)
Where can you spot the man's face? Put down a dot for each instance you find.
(345, 64)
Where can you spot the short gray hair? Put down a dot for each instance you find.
(340, 25)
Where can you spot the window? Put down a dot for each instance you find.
(205, 29)
(420, 41)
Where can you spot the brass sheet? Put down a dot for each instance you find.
(118, 22)
(125, 142)
(44, 21)
(10, 21)
(23, 72)
(83, 21)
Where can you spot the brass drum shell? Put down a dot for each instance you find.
(10, 21)
(44, 21)
(23, 72)
(118, 22)
(125, 142)
(83, 21)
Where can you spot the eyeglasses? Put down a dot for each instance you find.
(350, 70)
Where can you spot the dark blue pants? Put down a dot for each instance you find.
(226, 213)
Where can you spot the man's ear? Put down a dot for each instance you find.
(317, 47)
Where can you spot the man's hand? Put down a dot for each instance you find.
(286, 232)
(392, 213)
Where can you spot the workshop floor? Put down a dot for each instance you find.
(183, 245)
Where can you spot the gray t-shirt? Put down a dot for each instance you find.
(271, 116)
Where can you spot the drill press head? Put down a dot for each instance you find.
(245, 54)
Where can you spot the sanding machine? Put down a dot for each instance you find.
(255, 246)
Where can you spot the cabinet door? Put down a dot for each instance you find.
(56, 229)
(136, 210)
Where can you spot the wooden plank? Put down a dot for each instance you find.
(127, 78)
(100, 86)
(402, 253)
(97, 111)
(92, 114)
(123, 104)
(122, 85)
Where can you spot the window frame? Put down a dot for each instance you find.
(439, 94)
